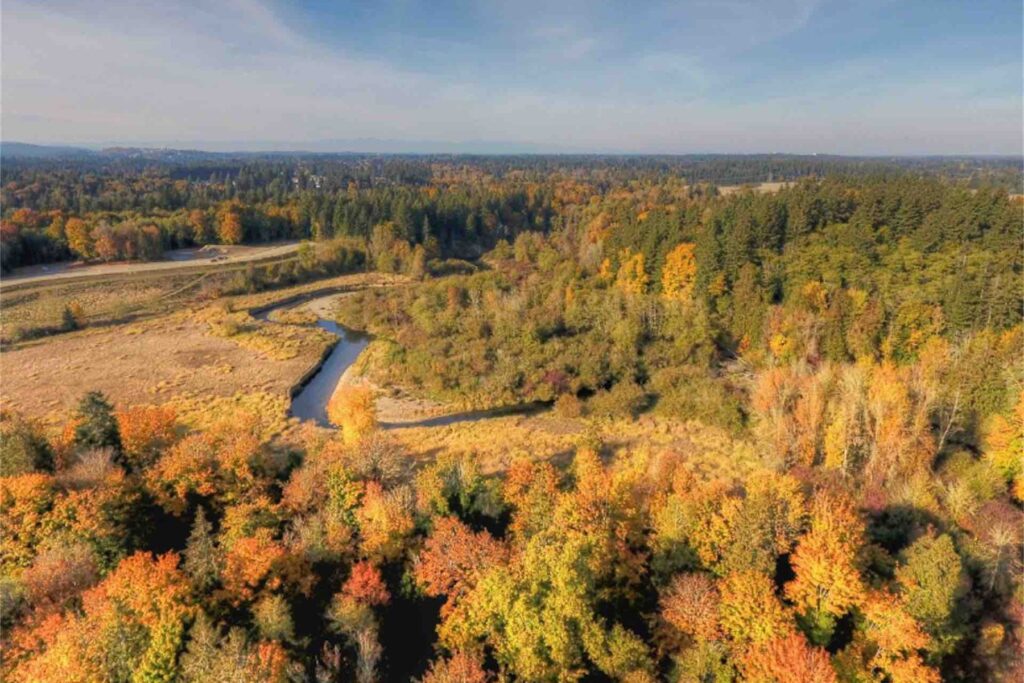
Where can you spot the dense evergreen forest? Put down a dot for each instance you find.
(856, 334)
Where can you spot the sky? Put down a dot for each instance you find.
(692, 76)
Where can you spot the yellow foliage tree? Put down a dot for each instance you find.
(632, 276)
(79, 239)
(827, 582)
(1004, 441)
(680, 273)
(750, 611)
(353, 409)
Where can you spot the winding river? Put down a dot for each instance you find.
(310, 401)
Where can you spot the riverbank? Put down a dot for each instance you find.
(339, 368)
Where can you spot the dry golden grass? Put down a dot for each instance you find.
(497, 442)
(101, 302)
(350, 282)
(203, 412)
(151, 362)
(272, 340)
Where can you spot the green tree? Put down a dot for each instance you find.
(933, 581)
(97, 426)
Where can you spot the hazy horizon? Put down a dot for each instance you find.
(455, 148)
(787, 76)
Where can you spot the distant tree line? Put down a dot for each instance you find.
(127, 208)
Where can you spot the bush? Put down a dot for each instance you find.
(690, 393)
(625, 398)
(23, 448)
(568, 405)
(378, 458)
(59, 573)
(90, 471)
(72, 317)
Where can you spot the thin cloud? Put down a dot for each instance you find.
(242, 70)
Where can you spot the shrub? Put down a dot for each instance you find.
(59, 573)
(92, 468)
(691, 394)
(68, 322)
(568, 405)
(625, 398)
(22, 447)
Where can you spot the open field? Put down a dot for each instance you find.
(101, 301)
(149, 362)
(175, 357)
(726, 190)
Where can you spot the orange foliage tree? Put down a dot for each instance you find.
(461, 667)
(827, 583)
(118, 631)
(25, 501)
(365, 585)
(259, 562)
(145, 431)
(229, 224)
(897, 638)
(788, 659)
(690, 605)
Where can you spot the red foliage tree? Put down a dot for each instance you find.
(454, 558)
(365, 585)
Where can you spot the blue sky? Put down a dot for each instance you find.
(866, 77)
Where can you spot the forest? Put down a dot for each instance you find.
(855, 328)
(129, 204)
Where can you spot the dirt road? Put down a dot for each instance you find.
(181, 258)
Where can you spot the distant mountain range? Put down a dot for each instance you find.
(25, 150)
(195, 149)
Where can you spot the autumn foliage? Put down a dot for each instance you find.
(352, 408)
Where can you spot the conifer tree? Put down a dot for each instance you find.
(202, 557)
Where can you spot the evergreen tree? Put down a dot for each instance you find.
(202, 557)
(97, 427)
(160, 662)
